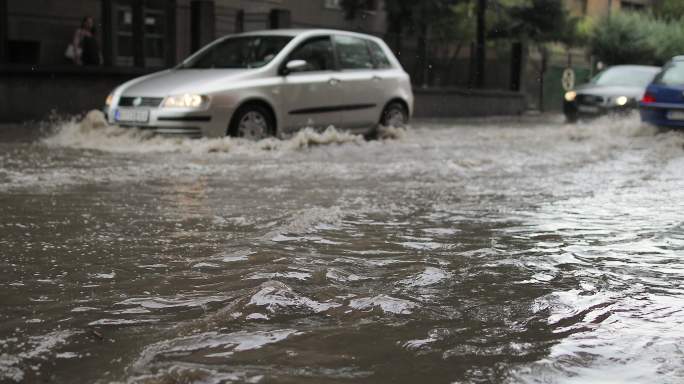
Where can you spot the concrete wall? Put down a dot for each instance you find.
(51, 23)
(306, 14)
(34, 95)
(467, 103)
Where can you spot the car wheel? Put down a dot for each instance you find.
(253, 122)
(394, 115)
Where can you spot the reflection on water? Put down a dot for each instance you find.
(495, 252)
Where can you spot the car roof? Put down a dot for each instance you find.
(647, 68)
(300, 32)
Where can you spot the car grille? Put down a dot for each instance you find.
(173, 131)
(590, 99)
(152, 102)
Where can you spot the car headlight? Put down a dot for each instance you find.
(109, 99)
(185, 101)
(622, 100)
(570, 96)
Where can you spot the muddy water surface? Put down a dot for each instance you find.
(479, 252)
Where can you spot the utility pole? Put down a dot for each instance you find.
(480, 45)
(3, 31)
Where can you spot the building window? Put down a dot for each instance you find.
(139, 33)
(123, 36)
(332, 4)
(154, 38)
(368, 5)
(632, 6)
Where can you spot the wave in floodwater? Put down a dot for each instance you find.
(487, 251)
(93, 132)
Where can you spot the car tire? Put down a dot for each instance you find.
(253, 122)
(394, 115)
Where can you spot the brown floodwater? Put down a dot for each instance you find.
(489, 251)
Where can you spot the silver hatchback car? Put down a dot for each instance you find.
(271, 83)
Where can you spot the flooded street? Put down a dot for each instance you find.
(472, 252)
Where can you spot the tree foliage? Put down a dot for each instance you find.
(670, 9)
(636, 38)
(537, 20)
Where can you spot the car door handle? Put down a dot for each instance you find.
(334, 81)
(377, 78)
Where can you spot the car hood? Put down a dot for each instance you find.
(611, 91)
(180, 81)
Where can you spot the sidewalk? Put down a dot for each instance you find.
(526, 119)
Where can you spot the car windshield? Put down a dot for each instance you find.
(239, 52)
(622, 76)
(673, 74)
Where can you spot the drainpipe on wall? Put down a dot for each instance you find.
(480, 45)
(3, 31)
(202, 23)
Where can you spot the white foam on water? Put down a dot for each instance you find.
(440, 231)
(103, 276)
(235, 256)
(40, 349)
(213, 343)
(343, 277)
(387, 304)
(276, 296)
(205, 265)
(430, 276)
(83, 309)
(93, 132)
(423, 344)
(172, 302)
(422, 245)
(9, 368)
(302, 276)
(256, 316)
(122, 322)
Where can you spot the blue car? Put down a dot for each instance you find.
(663, 101)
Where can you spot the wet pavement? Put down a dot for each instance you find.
(494, 251)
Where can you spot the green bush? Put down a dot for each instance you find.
(636, 38)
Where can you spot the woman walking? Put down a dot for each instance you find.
(86, 50)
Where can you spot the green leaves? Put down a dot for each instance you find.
(537, 20)
(636, 38)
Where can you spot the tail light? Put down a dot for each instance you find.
(648, 98)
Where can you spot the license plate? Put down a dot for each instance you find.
(588, 109)
(132, 115)
(675, 115)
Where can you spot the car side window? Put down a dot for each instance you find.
(673, 74)
(353, 53)
(379, 56)
(318, 54)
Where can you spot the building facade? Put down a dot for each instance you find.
(156, 33)
(599, 8)
(142, 36)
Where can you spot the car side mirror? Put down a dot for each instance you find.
(294, 65)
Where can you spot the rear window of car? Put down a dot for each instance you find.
(379, 56)
(353, 53)
(239, 52)
(672, 74)
(625, 76)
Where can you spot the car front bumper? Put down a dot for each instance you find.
(574, 110)
(195, 123)
(661, 114)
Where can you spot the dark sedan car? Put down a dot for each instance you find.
(663, 102)
(614, 90)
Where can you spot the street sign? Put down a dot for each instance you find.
(568, 79)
